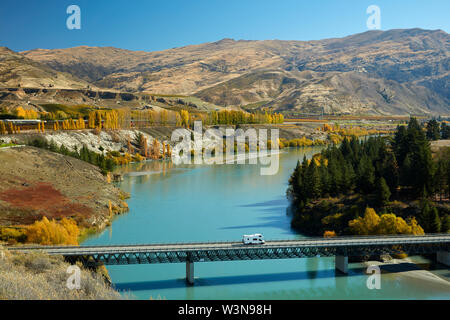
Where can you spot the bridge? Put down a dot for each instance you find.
(339, 247)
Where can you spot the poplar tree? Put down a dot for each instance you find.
(2, 128)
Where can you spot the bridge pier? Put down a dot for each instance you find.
(443, 257)
(341, 264)
(190, 272)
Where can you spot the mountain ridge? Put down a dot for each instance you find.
(398, 70)
(17, 70)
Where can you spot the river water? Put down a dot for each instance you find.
(222, 202)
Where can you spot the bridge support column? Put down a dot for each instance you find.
(341, 263)
(443, 257)
(190, 272)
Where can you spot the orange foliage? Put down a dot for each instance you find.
(329, 234)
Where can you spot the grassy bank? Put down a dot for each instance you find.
(39, 276)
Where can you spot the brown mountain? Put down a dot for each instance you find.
(17, 70)
(383, 72)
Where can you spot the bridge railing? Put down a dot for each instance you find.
(213, 245)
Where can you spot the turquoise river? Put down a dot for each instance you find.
(222, 202)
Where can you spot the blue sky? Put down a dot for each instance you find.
(162, 24)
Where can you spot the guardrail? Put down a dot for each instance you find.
(214, 245)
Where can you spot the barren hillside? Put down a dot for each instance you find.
(379, 72)
(48, 184)
(19, 71)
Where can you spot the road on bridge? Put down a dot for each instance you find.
(193, 246)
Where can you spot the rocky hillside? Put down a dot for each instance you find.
(380, 72)
(328, 92)
(37, 97)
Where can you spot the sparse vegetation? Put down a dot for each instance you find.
(38, 276)
(5, 145)
(106, 164)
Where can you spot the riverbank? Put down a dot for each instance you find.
(408, 270)
(39, 276)
(36, 183)
(190, 203)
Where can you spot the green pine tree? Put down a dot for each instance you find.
(383, 192)
(445, 223)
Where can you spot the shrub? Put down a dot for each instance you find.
(388, 223)
(13, 234)
(96, 131)
(52, 232)
(329, 234)
(35, 276)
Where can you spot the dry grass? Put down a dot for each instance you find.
(38, 276)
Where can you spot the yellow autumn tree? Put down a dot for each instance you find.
(329, 234)
(72, 124)
(178, 120)
(365, 225)
(387, 223)
(164, 150)
(72, 230)
(390, 224)
(327, 128)
(91, 121)
(129, 146)
(26, 113)
(155, 152)
(11, 128)
(184, 114)
(3, 128)
(80, 123)
(143, 146)
(98, 120)
(164, 116)
(20, 112)
(111, 120)
(48, 232)
(168, 151)
(415, 228)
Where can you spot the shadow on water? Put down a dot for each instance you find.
(271, 203)
(231, 280)
(273, 217)
(273, 220)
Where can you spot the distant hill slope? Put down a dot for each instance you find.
(382, 72)
(19, 71)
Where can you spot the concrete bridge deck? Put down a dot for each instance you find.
(340, 247)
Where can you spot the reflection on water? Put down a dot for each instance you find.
(222, 202)
(141, 168)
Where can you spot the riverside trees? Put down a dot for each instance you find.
(370, 172)
(105, 164)
(82, 117)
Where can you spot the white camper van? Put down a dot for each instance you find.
(253, 239)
